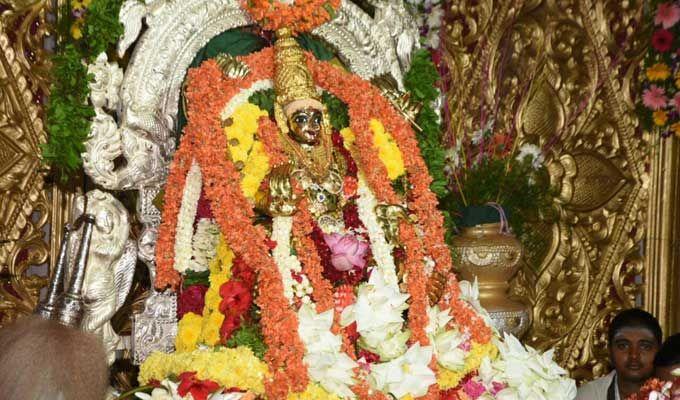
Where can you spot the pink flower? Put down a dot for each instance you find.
(497, 387)
(654, 98)
(662, 40)
(668, 14)
(473, 389)
(347, 251)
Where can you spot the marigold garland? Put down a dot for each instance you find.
(298, 15)
(309, 257)
(285, 351)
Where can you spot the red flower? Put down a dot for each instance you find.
(352, 333)
(229, 325)
(662, 40)
(191, 299)
(236, 298)
(370, 357)
(241, 271)
(200, 390)
(203, 209)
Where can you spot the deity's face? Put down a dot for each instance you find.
(305, 125)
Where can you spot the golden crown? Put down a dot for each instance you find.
(292, 80)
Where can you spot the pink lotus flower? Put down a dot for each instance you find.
(347, 251)
(667, 15)
(654, 98)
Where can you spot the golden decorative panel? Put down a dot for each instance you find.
(560, 74)
(24, 204)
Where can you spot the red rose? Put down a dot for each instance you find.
(230, 324)
(200, 390)
(662, 40)
(191, 299)
(236, 298)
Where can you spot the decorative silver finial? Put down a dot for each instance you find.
(71, 305)
(47, 309)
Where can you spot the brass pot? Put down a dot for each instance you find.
(489, 255)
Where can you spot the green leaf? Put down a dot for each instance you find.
(249, 335)
(320, 49)
(196, 278)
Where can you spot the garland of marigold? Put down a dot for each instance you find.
(234, 213)
(309, 257)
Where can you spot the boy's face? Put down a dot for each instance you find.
(632, 352)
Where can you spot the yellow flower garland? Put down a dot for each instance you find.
(388, 151)
(237, 367)
(194, 329)
(188, 331)
(245, 149)
(447, 379)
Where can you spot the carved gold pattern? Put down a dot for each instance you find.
(25, 206)
(564, 71)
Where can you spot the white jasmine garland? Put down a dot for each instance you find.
(287, 263)
(205, 242)
(326, 363)
(186, 217)
(380, 248)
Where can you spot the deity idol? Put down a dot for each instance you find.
(310, 258)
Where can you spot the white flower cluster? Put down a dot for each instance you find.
(446, 343)
(287, 263)
(533, 151)
(528, 373)
(185, 218)
(205, 242)
(409, 374)
(327, 364)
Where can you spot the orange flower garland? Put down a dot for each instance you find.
(234, 213)
(309, 257)
(166, 275)
(269, 135)
(416, 283)
(300, 16)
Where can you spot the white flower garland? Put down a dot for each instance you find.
(205, 242)
(381, 249)
(243, 96)
(287, 263)
(186, 217)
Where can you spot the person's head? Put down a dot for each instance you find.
(634, 338)
(668, 358)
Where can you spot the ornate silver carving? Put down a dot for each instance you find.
(156, 327)
(106, 84)
(514, 322)
(110, 268)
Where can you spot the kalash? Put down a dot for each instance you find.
(325, 281)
